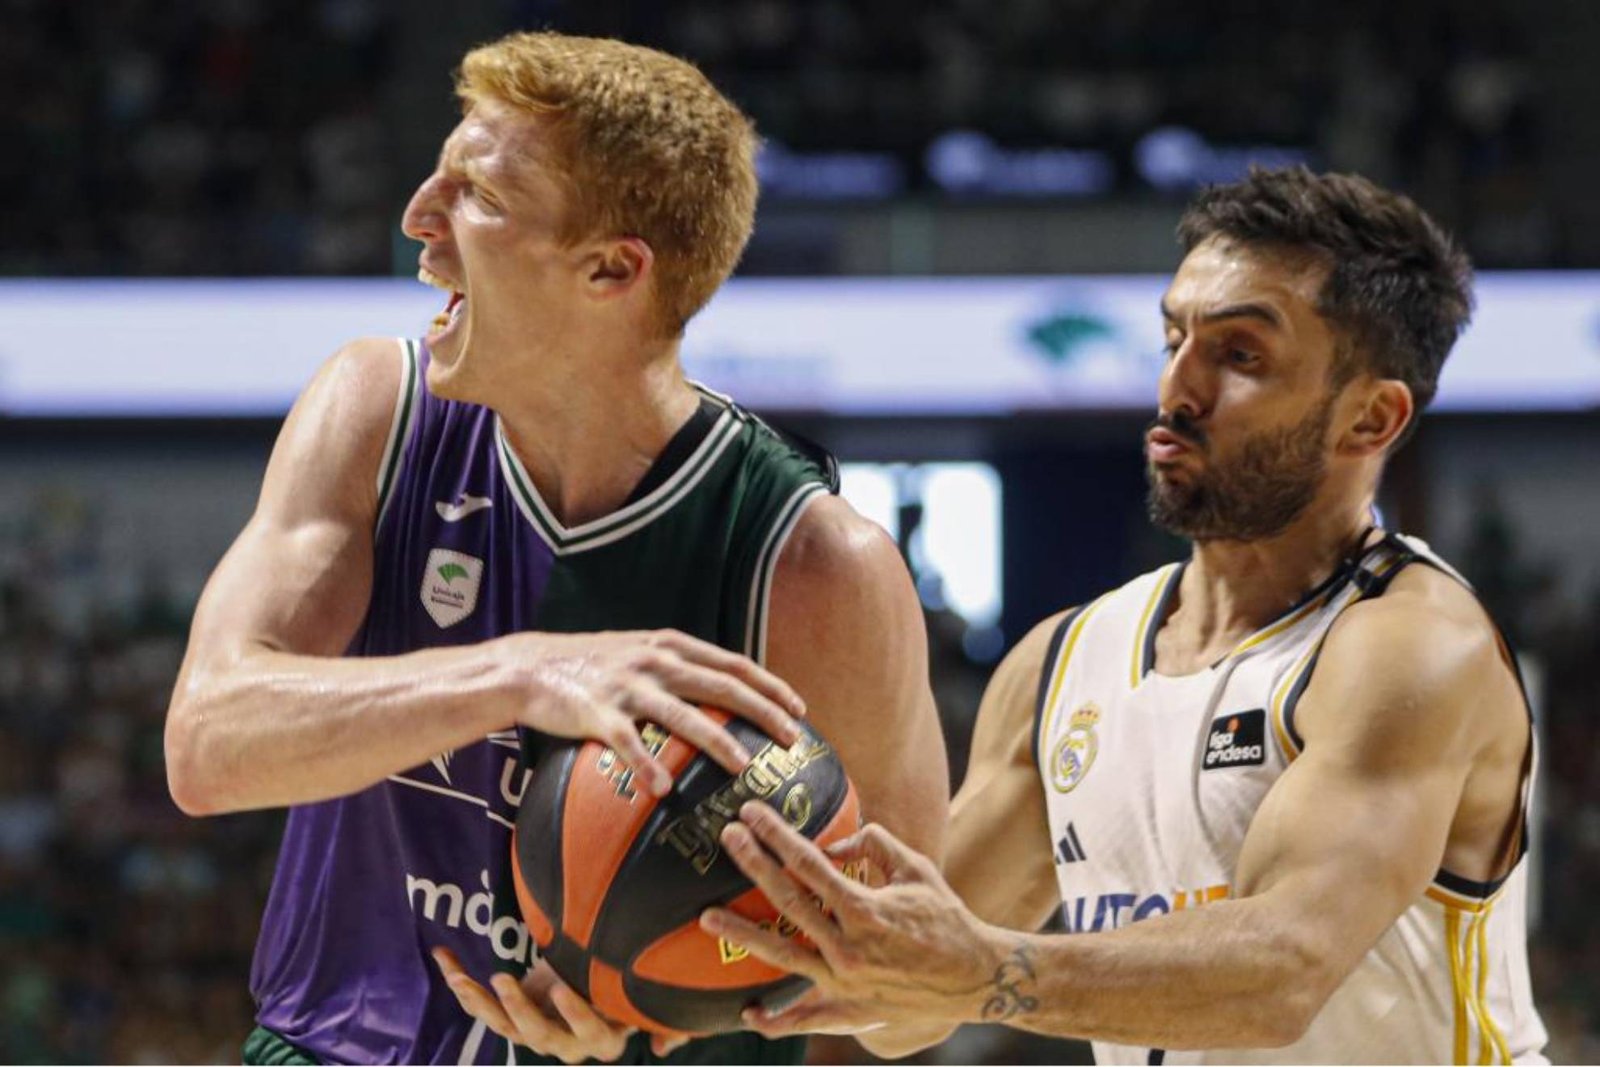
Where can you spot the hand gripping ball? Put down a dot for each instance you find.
(612, 881)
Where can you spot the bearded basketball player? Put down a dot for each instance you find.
(528, 523)
(1278, 791)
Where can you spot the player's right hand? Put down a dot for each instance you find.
(602, 685)
(540, 1012)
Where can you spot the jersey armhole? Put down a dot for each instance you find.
(755, 631)
(1448, 881)
(1446, 886)
(826, 463)
(405, 407)
(1369, 575)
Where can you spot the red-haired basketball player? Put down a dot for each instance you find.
(530, 521)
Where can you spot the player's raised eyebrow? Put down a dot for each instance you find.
(1261, 312)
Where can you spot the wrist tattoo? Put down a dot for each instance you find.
(1011, 988)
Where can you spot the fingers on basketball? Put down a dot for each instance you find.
(618, 732)
(533, 1028)
(802, 858)
(724, 690)
(768, 945)
(602, 1039)
(694, 726)
(752, 674)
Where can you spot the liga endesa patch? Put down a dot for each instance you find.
(1237, 739)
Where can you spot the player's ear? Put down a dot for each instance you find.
(619, 266)
(1385, 407)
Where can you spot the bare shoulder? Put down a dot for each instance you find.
(841, 592)
(1030, 655)
(1427, 625)
(834, 545)
(1423, 660)
(1004, 728)
(360, 382)
(298, 576)
(839, 570)
(331, 445)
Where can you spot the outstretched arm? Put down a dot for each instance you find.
(998, 856)
(997, 859)
(1396, 719)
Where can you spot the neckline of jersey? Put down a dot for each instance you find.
(1316, 597)
(629, 518)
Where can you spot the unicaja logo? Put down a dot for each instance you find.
(450, 586)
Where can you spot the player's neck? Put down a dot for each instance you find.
(1231, 589)
(588, 428)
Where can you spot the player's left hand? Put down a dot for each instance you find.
(543, 1013)
(903, 952)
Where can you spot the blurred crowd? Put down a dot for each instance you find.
(196, 137)
(126, 929)
(166, 137)
(1435, 97)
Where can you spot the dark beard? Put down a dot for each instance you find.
(1255, 494)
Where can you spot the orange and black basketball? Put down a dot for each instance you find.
(612, 881)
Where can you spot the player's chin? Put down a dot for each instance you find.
(445, 340)
(1171, 478)
(446, 378)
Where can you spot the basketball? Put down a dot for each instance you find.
(612, 881)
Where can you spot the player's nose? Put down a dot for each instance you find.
(425, 218)
(1185, 389)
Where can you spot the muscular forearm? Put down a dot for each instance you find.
(1228, 975)
(272, 728)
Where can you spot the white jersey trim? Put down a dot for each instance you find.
(564, 540)
(755, 629)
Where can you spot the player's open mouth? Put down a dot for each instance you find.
(452, 310)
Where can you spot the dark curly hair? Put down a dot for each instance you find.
(1398, 291)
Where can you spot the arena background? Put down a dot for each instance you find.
(1024, 145)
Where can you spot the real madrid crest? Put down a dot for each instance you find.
(1075, 754)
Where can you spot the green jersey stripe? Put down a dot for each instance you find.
(400, 427)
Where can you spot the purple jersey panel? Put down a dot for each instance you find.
(367, 884)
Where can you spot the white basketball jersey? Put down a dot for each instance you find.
(1151, 782)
